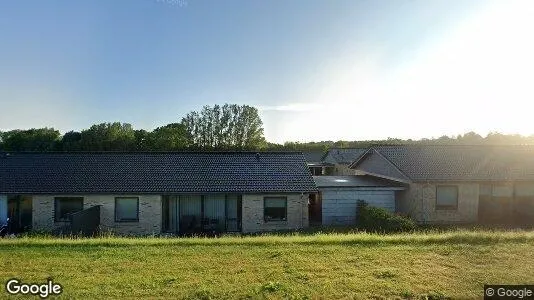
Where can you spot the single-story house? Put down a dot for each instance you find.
(152, 193)
(457, 183)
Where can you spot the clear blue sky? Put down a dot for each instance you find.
(316, 69)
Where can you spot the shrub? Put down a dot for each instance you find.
(377, 219)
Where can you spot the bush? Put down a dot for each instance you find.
(377, 219)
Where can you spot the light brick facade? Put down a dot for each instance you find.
(253, 219)
(149, 214)
(419, 202)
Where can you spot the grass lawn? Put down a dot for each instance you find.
(452, 264)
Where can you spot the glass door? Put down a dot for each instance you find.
(233, 213)
(19, 212)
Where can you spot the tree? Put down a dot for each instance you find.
(35, 139)
(142, 140)
(470, 138)
(108, 137)
(71, 141)
(171, 137)
(226, 127)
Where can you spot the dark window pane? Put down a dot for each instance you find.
(65, 206)
(126, 209)
(446, 197)
(275, 208)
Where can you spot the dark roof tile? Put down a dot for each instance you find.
(178, 172)
(343, 155)
(463, 162)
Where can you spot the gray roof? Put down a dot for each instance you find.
(343, 155)
(313, 157)
(462, 162)
(353, 181)
(160, 173)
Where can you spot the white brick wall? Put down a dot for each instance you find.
(419, 201)
(149, 213)
(253, 219)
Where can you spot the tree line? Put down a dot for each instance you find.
(469, 138)
(226, 127)
(219, 128)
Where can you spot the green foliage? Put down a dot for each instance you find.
(71, 141)
(142, 140)
(377, 219)
(171, 137)
(227, 127)
(108, 137)
(469, 138)
(35, 139)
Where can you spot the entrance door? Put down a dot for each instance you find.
(19, 212)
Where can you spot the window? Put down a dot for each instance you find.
(275, 208)
(524, 191)
(65, 206)
(447, 197)
(316, 171)
(126, 209)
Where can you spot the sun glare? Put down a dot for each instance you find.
(476, 77)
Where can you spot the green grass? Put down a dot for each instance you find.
(355, 265)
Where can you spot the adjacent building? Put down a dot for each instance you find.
(437, 184)
(458, 183)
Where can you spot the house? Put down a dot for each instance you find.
(457, 183)
(152, 193)
(439, 184)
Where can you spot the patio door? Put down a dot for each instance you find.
(170, 214)
(19, 212)
(233, 213)
(188, 214)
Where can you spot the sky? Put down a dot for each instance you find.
(316, 70)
